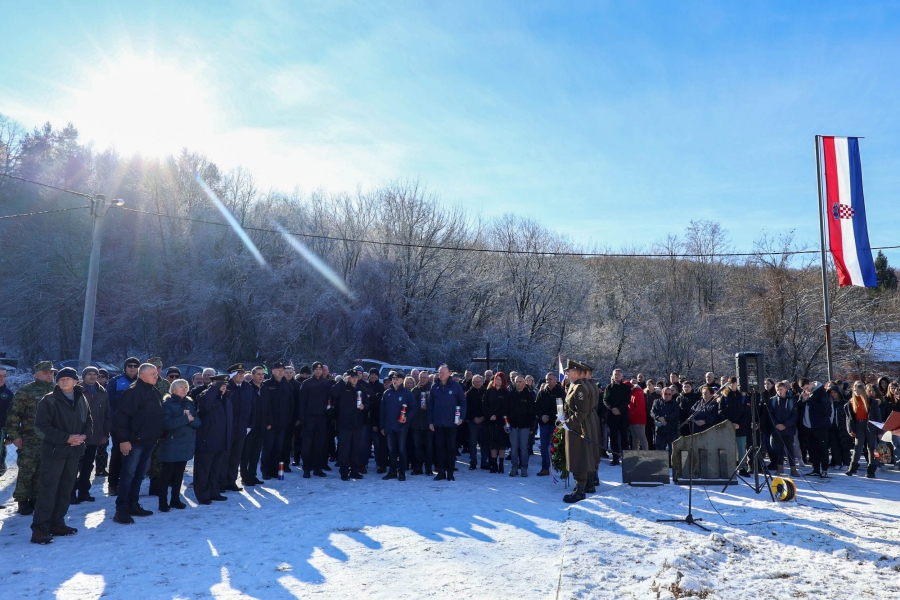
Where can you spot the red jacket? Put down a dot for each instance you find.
(637, 413)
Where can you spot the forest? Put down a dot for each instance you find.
(428, 280)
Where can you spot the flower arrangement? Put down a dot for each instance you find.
(558, 451)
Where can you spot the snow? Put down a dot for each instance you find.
(482, 536)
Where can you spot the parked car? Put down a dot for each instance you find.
(187, 371)
(385, 370)
(73, 362)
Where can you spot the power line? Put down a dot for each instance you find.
(431, 246)
(47, 185)
(43, 212)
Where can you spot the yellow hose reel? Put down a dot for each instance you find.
(783, 489)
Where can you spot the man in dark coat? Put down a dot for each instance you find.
(665, 413)
(115, 389)
(446, 412)
(213, 439)
(137, 425)
(475, 418)
(296, 448)
(253, 442)
(63, 423)
(397, 408)
(817, 416)
(616, 398)
(287, 444)
(783, 416)
(423, 437)
(281, 406)
(546, 411)
(98, 401)
(379, 441)
(370, 385)
(350, 404)
(314, 401)
(240, 394)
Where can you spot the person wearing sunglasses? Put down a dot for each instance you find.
(117, 385)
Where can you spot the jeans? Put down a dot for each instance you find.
(518, 441)
(741, 450)
(664, 441)
(396, 443)
(864, 445)
(474, 432)
(134, 467)
(546, 431)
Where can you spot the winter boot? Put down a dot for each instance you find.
(576, 496)
(402, 476)
(62, 530)
(589, 487)
(513, 472)
(391, 475)
(40, 535)
(543, 473)
(136, 510)
(779, 469)
(355, 474)
(428, 471)
(74, 499)
(175, 501)
(794, 471)
(122, 517)
(500, 468)
(524, 472)
(450, 476)
(163, 504)
(493, 467)
(441, 475)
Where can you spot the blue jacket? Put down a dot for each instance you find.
(214, 434)
(783, 411)
(391, 404)
(819, 410)
(442, 403)
(115, 387)
(242, 405)
(669, 411)
(180, 437)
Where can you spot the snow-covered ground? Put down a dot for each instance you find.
(482, 536)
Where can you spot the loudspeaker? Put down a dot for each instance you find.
(750, 372)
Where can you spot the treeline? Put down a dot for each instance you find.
(436, 283)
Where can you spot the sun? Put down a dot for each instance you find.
(144, 104)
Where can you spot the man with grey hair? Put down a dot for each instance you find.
(137, 425)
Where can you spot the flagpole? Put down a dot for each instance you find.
(825, 303)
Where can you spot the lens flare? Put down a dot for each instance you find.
(232, 221)
(317, 263)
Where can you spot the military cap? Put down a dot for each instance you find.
(317, 365)
(219, 378)
(574, 364)
(236, 367)
(155, 361)
(132, 361)
(67, 372)
(44, 365)
(305, 370)
(278, 365)
(351, 373)
(173, 371)
(393, 374)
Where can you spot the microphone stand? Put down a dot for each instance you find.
(689, 519)
(753, 452)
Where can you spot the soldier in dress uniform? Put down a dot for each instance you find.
(579, 456)
(20, 429)
(593, 429)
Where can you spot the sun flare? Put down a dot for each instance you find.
(143, 104)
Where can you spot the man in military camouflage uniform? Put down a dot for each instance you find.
(162, 384)
(20, 429)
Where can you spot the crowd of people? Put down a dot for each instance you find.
(249, 426)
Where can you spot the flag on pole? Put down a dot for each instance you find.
(562, 373)
(845, 212)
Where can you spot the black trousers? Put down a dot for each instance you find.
(350, 449)
(253, 443)
(381, 449)
(298, 444)
(57, 478)
(287, 445)
(445, 445)
(271, 451)
(423, 440)
(115, 464)
(818, 448)
(840, 452)
(315, 444)
(85, 469)
(783, 445)
(208, 467)
(331, 442)
(171, 474)
(235, 454)
(618, 434)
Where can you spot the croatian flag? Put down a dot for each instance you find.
(562, 373)
(846, 212)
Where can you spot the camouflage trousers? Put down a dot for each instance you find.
(153, 471)
(29, 463)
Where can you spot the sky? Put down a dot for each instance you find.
(615, 123)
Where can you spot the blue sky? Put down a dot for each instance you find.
(613, 122)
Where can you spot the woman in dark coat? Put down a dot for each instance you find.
(494, 406)
(177, 446)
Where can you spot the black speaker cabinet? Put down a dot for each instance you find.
(750, 372)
